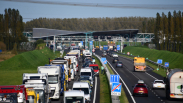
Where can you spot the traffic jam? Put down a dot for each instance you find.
(51, 82)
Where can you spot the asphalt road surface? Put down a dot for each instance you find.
(96, 91)
(130, 78)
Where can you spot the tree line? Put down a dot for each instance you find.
(168, 30)
(88, 24)
(11, 28)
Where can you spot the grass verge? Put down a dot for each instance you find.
(12, 69)
(105, 94)
(122, 98)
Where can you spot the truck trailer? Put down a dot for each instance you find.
(174, 84)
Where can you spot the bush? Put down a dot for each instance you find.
(40, 41)
(2, 46)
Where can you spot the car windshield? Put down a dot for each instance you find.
(95, 67)
(86, 90)
(142, 86)
(119, 62)
(52, 79)
(86, 73)
(115, 58)
(84, 78)
(74, 100)
(158, 81)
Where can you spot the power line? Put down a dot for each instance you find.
(122, 6)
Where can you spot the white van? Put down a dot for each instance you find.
(74, 96)
(87, 72)
(83, 86)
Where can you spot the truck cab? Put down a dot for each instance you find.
(54, 79)
(13, 93)
(74, 96)
(39, 83)
(83, 86)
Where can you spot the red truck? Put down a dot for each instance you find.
(13, 93)
(95, 68)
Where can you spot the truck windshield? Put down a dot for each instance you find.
(84, 78)
(74, 100)
(52, 79)
(86, 73)
(86, 90)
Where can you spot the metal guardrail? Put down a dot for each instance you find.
(162, 66)
(115, 99)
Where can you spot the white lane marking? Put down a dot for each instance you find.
(132, 73)
(124, 84)
(95, 90)
(150, 75)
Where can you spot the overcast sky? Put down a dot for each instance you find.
(119, 8)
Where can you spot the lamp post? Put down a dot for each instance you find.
(164, 42)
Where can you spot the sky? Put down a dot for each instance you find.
(113, 8)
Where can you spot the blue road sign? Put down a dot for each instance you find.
(118, 47)
(160, 61)
(91, 42)
(81, 42)
(104, 60)
(116, 89)
(167, 64)
(114, 78)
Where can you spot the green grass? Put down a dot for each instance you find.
(105, 94)
(27, 62)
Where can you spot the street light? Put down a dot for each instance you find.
(164, 42)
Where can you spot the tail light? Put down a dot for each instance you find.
(77, 65)
(171, 95)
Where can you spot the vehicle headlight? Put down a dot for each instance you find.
(1, 99)
(4, 99)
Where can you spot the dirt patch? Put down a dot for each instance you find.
(5, 56)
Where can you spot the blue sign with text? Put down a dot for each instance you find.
(114, 78)
(167, 64)
(118, 47)
(160, 61)
(91, 42)
(81, 42)
(104, 60)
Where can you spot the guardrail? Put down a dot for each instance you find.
(115, 99)
(162, 66)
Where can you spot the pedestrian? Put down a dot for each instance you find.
(102, 68)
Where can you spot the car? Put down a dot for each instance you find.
(115, 60)
(86, 79)
(119, 64)
(114, 55)
(87, 59)
(158, 84)
(95, 68)
(110, 53)
(140, 89)
(104, 54)
(86, 64)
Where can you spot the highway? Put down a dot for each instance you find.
(95, 89)
(130, 78)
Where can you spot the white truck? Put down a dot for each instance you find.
(74, 96)
(54, 79)
(174, 84)
(67, 70)
(73, 65)
(39, 83)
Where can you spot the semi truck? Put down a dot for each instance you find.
(13, 94)
(39, 83)
(174, 84)
(139, 64)
(65, 69)
(54, 79)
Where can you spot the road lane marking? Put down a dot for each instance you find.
(124, 84)
(94, 95)
(151, 75)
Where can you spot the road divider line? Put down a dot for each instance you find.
(94, 95)
(150, 75)
(123, 83)
(132, 73)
